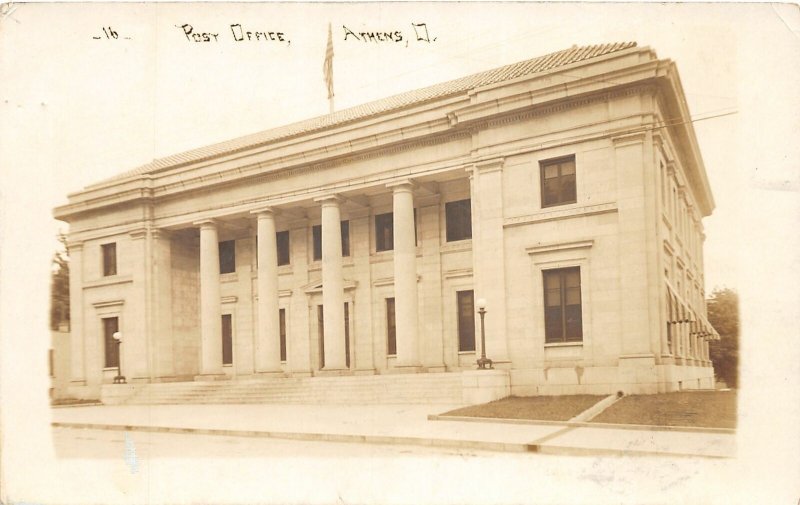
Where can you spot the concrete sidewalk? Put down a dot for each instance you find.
(394, 424)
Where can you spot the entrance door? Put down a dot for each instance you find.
(321, 330)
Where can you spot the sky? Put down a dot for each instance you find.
(113, 104)
(75, 109)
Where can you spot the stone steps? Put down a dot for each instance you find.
(363, 389)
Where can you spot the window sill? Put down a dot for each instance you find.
(564, 344)
(229, 277)
(456, 246)
(466, 353)
(108, 281)
(317, 264)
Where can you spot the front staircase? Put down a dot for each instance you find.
(424, 388)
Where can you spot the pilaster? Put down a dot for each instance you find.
(299, 351)
(161, 304)
(137, 350)
(489, 253)
(76, 313)
(633, 181)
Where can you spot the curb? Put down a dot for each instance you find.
(313, 437)
(71, 405)
(582, 424)
(387, 440)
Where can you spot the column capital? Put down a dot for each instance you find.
(402, 185)
(161, 233)
(206, 223)
(264, 211)
(138, 233)
(328, 200)
(488, 165)
(74, 245)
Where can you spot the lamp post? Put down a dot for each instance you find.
(119, 379)
(483, 363)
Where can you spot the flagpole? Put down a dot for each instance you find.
(327, 68)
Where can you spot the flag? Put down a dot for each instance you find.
(327, 67)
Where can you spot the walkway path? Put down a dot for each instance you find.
(393, 424)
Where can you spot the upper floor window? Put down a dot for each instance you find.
(558, 181)
(562, 305)
(282, 242)
(316, 233)
(227, 257)
(384, 232)
(458, 218)
(109, 259)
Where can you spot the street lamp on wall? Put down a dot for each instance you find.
(483, 363)
(119, 379)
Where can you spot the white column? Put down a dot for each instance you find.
(405, 275)
(332, 284)
(210, 312)
(268, 343)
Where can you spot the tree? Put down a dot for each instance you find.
(723, 314)
(59, 285)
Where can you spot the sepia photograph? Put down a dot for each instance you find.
(369, 252)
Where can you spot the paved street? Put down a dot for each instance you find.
(119, 445)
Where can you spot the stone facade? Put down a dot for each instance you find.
(628, 232)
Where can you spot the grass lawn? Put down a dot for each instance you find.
(707, 409)
(539, 408)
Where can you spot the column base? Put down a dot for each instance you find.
(212, 377)
(332, 372)
(400, 369)
(271, 373)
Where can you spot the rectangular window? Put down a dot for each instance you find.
(282, 317)
(227, 257)
(384, 232)
(562, 311)
(316, 233)
(466, 320)
(345, 225)
(558, 181)
(282, 242)
(50, 363)
(347, 334)
(391, 329)
(111, 326)
(458, 218)
(227, 340)
(109, 259)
